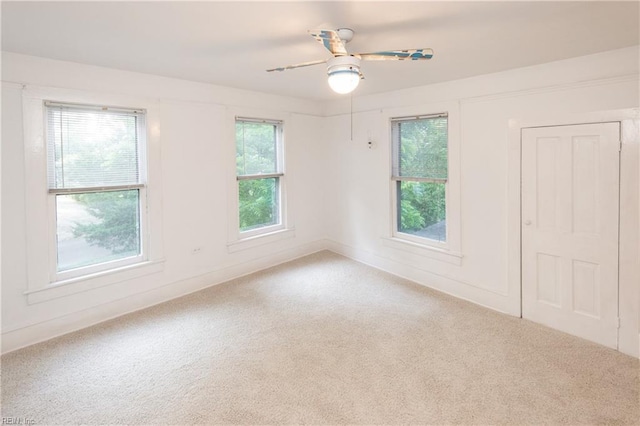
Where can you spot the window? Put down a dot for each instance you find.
(420, 173)
(259, 174)
(96, 186)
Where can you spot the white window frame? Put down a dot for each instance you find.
(279, 125)
(396, 159)
(285, 229)
(46, 283)
(142, 202)
(449, 250)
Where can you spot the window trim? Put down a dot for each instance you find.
(449, 251)
(42, 285)
(92, 269)
(396, 178)
(241, 240)
(279, 174)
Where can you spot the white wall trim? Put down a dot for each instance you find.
(335, 108)
(261, 239)
(552, 88)
(628, 289)
(436, 253)
(40, 207)
(456, 288)
(235, 238)
(454, 186)
(92, 281)
(20, 336)
(24, 69)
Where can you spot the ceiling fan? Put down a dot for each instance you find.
(343, 68)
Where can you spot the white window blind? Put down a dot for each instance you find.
(420, 148)
(93, 147)
(257, 147)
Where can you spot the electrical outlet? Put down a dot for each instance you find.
(196, 250)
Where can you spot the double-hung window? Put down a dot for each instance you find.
(96, 185)
(259, 175)
(419, 173)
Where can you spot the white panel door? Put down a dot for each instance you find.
(570, 199)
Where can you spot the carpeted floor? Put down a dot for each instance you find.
(322, 339)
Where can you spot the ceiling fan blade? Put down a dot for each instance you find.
(330, 40)
(304, 64)
(397, 55)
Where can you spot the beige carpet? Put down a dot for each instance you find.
(322, 339)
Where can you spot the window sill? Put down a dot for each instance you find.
(261, 239)
(84, 283)
(436, 253)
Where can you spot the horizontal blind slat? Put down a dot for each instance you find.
(257, 147)
(95, 189)
(92, 148)
(259, 176)
(420, 147)
(419, 179)
(257, 120)
(95, 108)
(418, 117)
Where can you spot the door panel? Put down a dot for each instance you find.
(570, 203)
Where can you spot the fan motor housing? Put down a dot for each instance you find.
(345, 34)
(343, 63)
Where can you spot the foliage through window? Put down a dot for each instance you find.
(420, 174)
(259, 173)
(95, 178)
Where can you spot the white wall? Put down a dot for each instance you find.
(360, 219)
(194, 137)
(340, 187)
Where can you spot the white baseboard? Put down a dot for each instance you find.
(18, 338)
(629, 343)
(458, 289)
(35, 333)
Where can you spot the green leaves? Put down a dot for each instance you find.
(117, 224)
(257, 154)
(422, 204)
(258, 200)
(410, 217)
(423, 148)
(420, 154)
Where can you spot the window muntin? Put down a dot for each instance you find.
(259, 174)
(95, 177)
(420, 172)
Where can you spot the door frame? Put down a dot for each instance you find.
(628, 251)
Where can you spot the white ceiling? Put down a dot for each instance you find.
(232, 43)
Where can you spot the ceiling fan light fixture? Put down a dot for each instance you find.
(344, 74)
(343, 69)
(344, 81)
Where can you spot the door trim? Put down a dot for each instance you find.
(629, 119)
